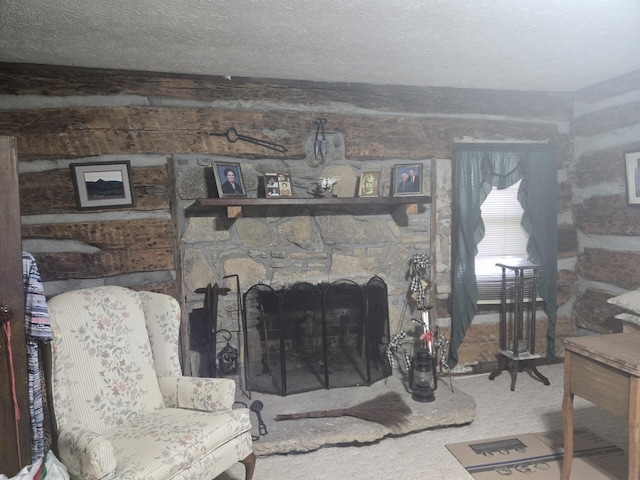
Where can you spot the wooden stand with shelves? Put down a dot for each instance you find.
(514, 347)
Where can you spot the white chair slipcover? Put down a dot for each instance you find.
(122, 408)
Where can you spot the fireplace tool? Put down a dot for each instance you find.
(211, 313)
(233, 136)
(242, 330)
(388, 409)
(256, 407)
(320, 143)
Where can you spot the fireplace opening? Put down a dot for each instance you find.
(308, 337)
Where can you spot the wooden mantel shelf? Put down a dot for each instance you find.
(234, 205)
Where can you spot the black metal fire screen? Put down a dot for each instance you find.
(310, 337)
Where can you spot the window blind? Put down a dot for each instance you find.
(505, 241)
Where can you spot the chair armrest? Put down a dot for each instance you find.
(206, 394)
(85, 453)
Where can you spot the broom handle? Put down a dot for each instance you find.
(337, 412)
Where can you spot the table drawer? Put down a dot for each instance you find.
(600, 384)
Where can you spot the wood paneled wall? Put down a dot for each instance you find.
(62, 114)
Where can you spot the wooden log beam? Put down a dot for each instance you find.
(605, 165)
(91, 131)
(66, 265)
(606, 120)
(108, 235)
(607, 215)
(616, 268)
(67, 81)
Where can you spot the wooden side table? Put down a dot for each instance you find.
(605, 370)
(514, 347)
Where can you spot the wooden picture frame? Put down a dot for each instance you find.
(632, 167)
(286, 189)
(369, 185)
(229, 180)
(407, 180)
(101, 185)
(277, 185)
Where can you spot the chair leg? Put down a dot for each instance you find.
(249, 465)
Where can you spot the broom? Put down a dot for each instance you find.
(388, 409)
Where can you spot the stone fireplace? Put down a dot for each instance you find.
(279, 245)
(307, 337)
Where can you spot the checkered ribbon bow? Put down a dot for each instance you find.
(396, 345)
(420, 277)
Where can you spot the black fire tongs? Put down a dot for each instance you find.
(233, 136)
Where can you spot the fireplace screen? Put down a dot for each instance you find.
(309, 337)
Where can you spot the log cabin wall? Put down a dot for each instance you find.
(606, 125)
(63, 115)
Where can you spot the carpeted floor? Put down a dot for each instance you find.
(532, 408)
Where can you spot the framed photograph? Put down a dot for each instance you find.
(229, 180)
(369, 184)
(102, 185)
(407, 180)
(632, 161)
(286, 190)
(277, 185)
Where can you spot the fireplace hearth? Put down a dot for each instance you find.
(309, 337)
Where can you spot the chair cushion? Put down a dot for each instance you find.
(163, 444)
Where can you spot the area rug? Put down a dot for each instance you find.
(450, 408)
(539, 456)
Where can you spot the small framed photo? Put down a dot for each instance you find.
(632, 161)
(229, 180)
(102, 185)
(369, 184)
(286, 190)
(407, 180)
(277, 185)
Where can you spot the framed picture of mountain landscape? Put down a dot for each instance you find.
(102, 185)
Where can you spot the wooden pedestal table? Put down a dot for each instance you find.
(605, 370)
(515, 347)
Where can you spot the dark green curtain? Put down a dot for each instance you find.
(477, 168)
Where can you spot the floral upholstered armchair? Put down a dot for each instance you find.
(122, 409)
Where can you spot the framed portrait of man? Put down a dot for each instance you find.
(369, 184)
(407, 180)
(229, 180)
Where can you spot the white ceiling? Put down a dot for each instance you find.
(547, 45)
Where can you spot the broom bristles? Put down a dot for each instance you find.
(388, 409)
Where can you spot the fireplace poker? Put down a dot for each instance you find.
(266, 334)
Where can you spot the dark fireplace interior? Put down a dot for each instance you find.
(308, 337)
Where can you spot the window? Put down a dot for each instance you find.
(504, 241)
(502, 164)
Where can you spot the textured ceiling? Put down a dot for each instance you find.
(547, 45)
